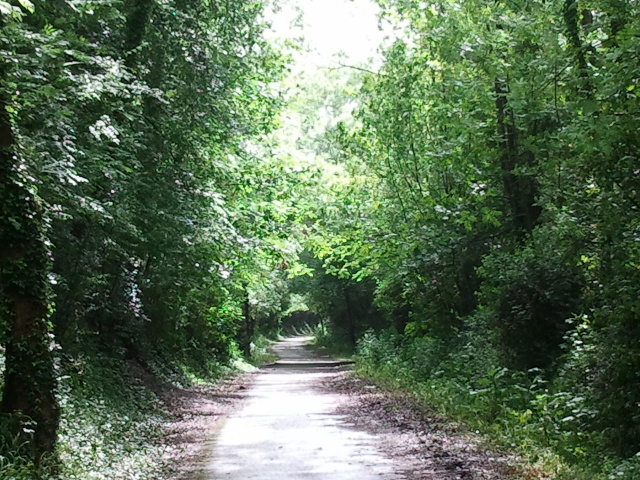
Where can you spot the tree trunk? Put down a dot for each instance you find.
(136, 27)
(571, 20)
(351, 321)
(29, 379)
(520, 189)
(249, 327)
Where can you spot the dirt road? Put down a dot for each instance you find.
(287, 428)
(307, 418)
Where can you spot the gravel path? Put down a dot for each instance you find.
(288, 429)
(307, 418)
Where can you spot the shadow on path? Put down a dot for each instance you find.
(288, 428)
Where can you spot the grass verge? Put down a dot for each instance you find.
(519, 414)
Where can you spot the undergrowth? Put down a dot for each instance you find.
(112, 423)
(523, 411)
(330, 340)
(261, 352)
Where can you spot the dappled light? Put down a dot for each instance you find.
(441, 198)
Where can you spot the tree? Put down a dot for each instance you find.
(29, 380)
(125, 129)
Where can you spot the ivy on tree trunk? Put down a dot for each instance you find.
(29, 379)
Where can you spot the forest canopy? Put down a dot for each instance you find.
(464, 212)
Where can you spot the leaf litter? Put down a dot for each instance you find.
(422, 444)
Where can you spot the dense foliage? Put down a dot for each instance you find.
(139, 219)
(493, 214)
(467, 213)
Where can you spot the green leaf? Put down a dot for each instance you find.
(27, 5)
(5, 8)
(589, 107)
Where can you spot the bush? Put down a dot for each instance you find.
(546, 417)
(531, 292)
